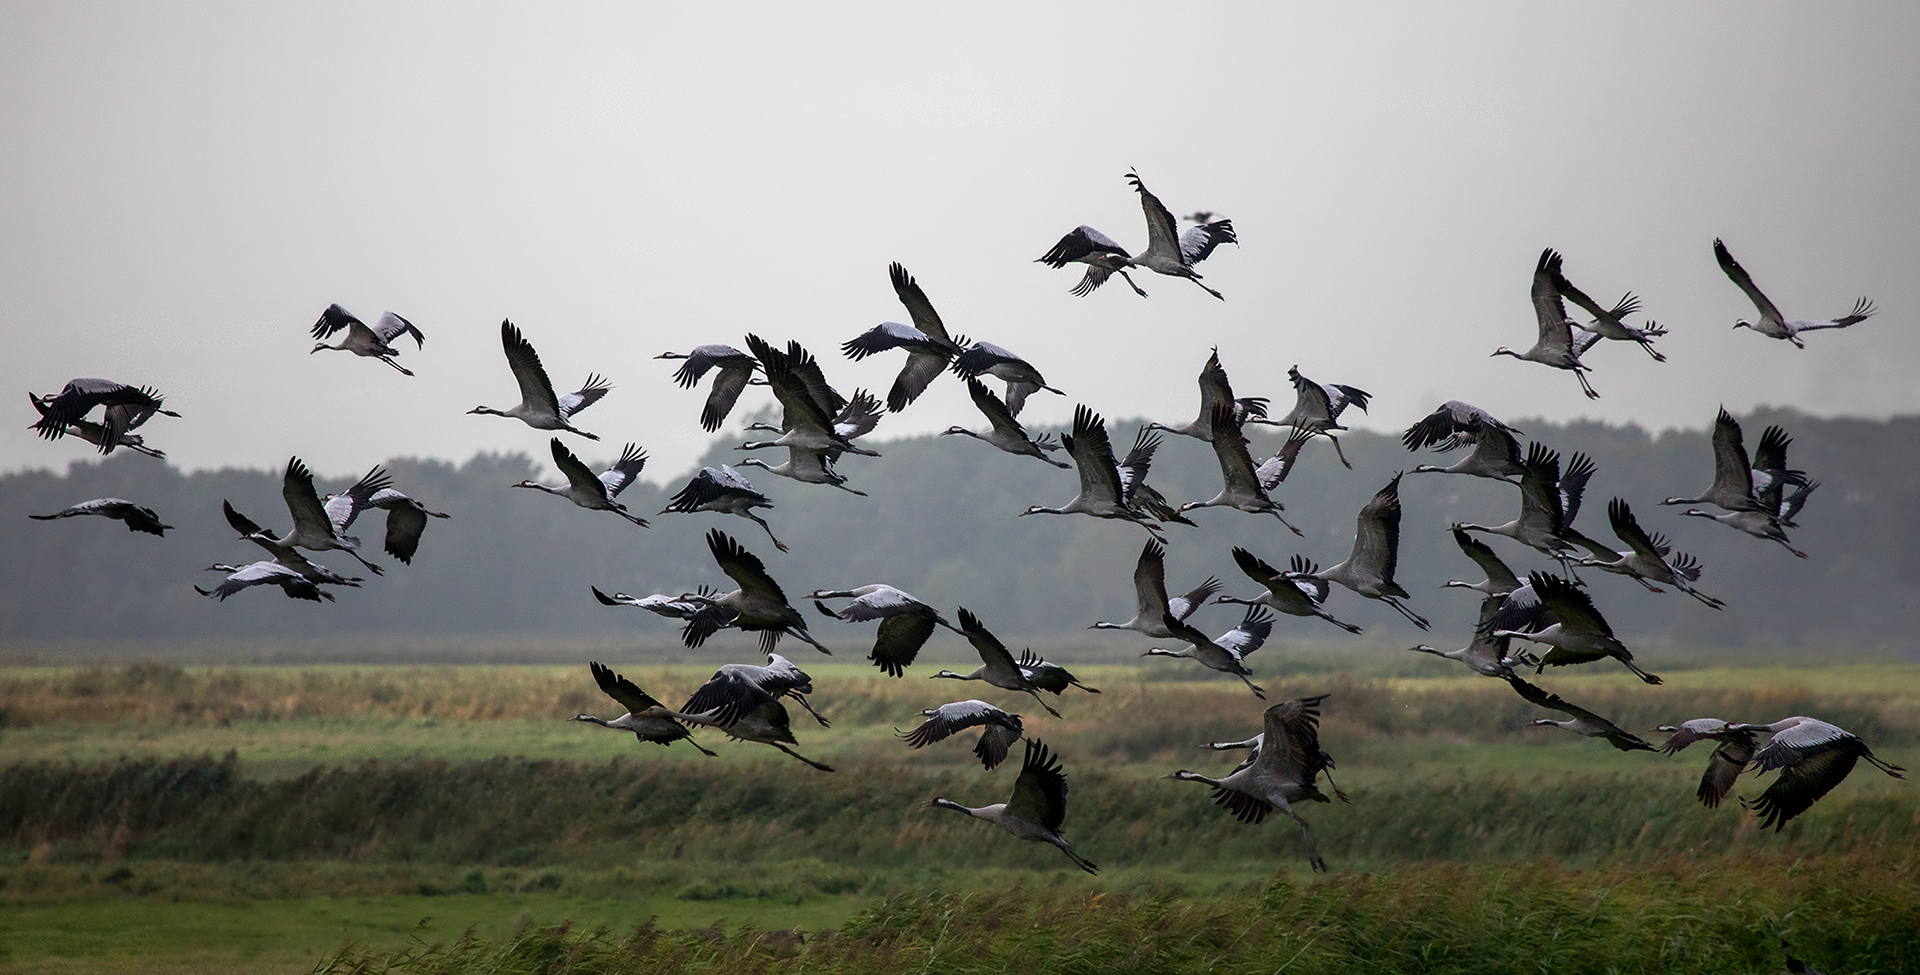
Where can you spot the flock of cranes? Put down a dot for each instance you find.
(1556, 610)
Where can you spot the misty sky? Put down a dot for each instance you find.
(185, 186)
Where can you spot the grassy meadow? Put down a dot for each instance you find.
(452, 818)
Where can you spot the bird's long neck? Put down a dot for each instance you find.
(939, 803)
(599, 721)
(1186, 776)
(489, 411)
(1157, 652)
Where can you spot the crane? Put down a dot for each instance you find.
(312, 529)
(1295, 593)
(1649, 558)
(671, 607)
(743, 710)
(758, 606)
(286, 555)
(1282, 771)
(723, 490)
(1317, 408)
(1037, 808)
(1495, 453)
(595, 492)
(808, 406)
(997, 666)
(1771, 323)
(1553, 611)
(1004, 431)
(1217, 390)
(1580, 721)
(374, 342)
(126, 408)
(659, 730)
(263, 573)
(1022, 379)
(1812, 757)
(1150, 594)
(735, 373)
(1104, 493)
(1102, 256)
(906, 623)
(929, 348)
(1368, 570)
(1555, 345)
(1227, 652)
(998, 729)
(1500, 579)
(136, 517)
(1240, 484)
(1608, 323)
(96, 433)
(539, 408)
(1734, 749)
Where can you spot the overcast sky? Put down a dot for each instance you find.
(185, 187)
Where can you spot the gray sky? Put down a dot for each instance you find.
(185, 187)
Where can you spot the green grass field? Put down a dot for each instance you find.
(358, 801)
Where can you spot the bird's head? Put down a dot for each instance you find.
(479, 409)
(317, 346)
(950, 431)
(1185, 776)
(1033, 510)
(528, 484)
(1540, 721)
(1742, 323)
(938, 802)
(1669, 729)
(1696, 513)
(944, 673)
(671, 355)
(1159, 652)
(1421, 648)
(1503, 350)
(754, 462)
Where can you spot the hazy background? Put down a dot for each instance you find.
(186, 186)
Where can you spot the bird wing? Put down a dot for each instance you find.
(884, 337)
(705, 488)
(536, 391)
(797, 399)
(1801, 784)
(918, 307)
(404, 525)
(1273, 472)
(625, 692)
(1198, 242)
(899, 641)
(727, 386)
(1573, 486)
(1040, 794)
(1078, 243)
(1251, 634)
(1376, 536)
(333, 320)
(1531, 692)
(1150, 580)
(1540, 490)
(1291, 747)
(1731, 471)
(1627, 528)
(1862, 310)
(1556, 332)
(992, 651)
(1093, 457)
(261, 573)
(744, 568)
(587, 395)
(1489, 562)
(1568, 603)
(1163, 233)
(858, 417)
(1770, 455)
(579, 476)
(1521, 610)
(296, 488)
(1182, 607)
(984, 356)
(994, 410)
(729, 697)
(1740, 277)
(1808, 737)
(1230, 449)
(921, 369)
(1133, 471)
(1723, 767)
(1311, 405)
(624, 470)
(392, 326)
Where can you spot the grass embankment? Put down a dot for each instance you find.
(410, 811)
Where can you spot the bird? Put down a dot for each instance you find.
(126, 408)
(1037, 808)
(808, 406)
(1281, 772)
(137, 517)
(96, 433)
(997, 666)
(1227, 652)
(1553, 611)
(363, 341)
(778, 677)
(341, 509)
(998, 729)
(1769, 522)
(1554, 347)
(758, 606)
(1795, 965)
(312, 528)
(906, 623)
(1170, 252)
(660, 731)
(1104, 493)
(1050, 676)
(856, 418)
(286, 555)
(1102, 256)
(1542, 518)
(1376, 551)
(807, 466)
(1240, 484)
(1771, 323)
(723, 490)
(736, 369)
(671, 607)
(1734, 749)
(1737, 481)
(1812, 757)
(1649, 558)
(1150, 595)
(1317, 408)
(1022, 379)
(929, 348)
(1608, 322)
(1579, 720)
(1003, 430)
(539, 408)
(1215, 390)
(260, 573)
(1495, 453)
(1487, 655)
(1295, 593)
(591, 491)
(1500, 579)
(742, 709)
(406, 521)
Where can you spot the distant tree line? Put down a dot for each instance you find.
(941, 522)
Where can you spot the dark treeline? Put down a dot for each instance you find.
(941, 522)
